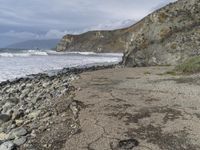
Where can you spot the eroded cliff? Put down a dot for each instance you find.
(166, 37)
(95, 41)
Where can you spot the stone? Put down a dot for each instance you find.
(74, 108)
(4, 118)
(16, 133)
(3, 136)
(17, 114)
(13, 100)
(20, 141)
(7, 146)
(33, 133)
(34, 114)
(10, 127)
(19, 122)
(128, 144)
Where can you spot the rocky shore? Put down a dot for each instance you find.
(97, 108)
(38, 111)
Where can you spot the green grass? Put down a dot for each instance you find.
(190, 66)
(173, 73)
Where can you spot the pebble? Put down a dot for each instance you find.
(24, 99)
(34, 114)
(3, 136)
(7, 146)
(4, 118)
(20, 141)
(18, 114)
(19, 122)
(128, 144)
(16, 133)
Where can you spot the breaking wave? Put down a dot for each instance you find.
(27, 53)
(23, 53)
(16, 64)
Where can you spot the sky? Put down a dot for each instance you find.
(22, 20)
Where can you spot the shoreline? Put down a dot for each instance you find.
(35, 62)
(29, 104)
(99, 108)
(76, 70)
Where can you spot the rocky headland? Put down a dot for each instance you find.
(95, 41)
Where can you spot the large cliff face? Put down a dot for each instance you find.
(167, 36)
(96, 41)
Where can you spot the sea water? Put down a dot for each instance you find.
(19, 63)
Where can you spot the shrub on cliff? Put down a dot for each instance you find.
(191, 65)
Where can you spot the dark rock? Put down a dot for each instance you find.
(18, 114)
(128, 144)
(20, 141)
(17, 133)
(4, 118)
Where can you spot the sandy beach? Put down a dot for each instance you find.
(159, 111)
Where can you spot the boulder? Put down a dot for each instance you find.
(20, 141)
(7, 146)
(4, 118)
(17, 133)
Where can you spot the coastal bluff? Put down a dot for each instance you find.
(168, 36)
(96, 41)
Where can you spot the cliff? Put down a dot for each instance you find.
(166, 37)
(96, 41)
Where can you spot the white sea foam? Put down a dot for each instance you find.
(19, 64)
(27, 53)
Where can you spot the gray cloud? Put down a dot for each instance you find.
(34, 19)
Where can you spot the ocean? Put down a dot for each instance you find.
(19, 63)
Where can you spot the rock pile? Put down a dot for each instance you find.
(28, 105)
(38, 111)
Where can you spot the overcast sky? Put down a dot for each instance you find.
(22, 20)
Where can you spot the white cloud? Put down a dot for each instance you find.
(36, 19)
(21, 35)
(51, 34)
(65, 14)
(112, 25)
(55, 34)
